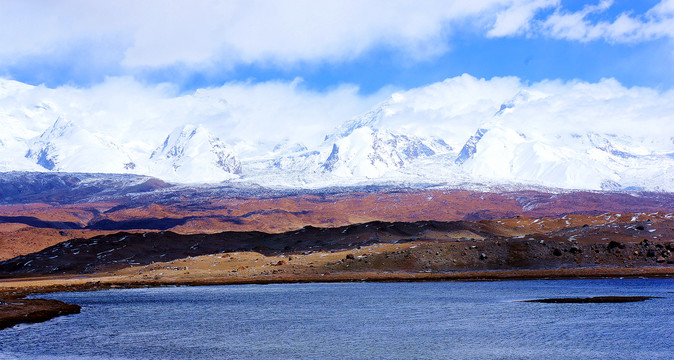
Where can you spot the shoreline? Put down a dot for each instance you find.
(16, 309)
(65, 283)
(19, 310)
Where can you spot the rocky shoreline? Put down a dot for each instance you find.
(17, 310)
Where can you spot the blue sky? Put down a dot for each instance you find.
(371, 44)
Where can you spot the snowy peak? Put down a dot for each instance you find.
(189, 154)
(521, 97)
(502, 153)
(469, 149)
(59, 129)
(44, 150)
(506, 154)
(64, 146)
(193, 154)
(372, 153)
(365, 146)
(371, 119)
(175, 144)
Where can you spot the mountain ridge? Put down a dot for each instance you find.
(417, 136)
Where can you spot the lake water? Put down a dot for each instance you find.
(426, 320)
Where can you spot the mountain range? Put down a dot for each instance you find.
(411, 137)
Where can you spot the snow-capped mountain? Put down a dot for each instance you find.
(193, 154)
(506, 148)
(504, 154)
(368, 153)
(189, 154)
(461, 130)
(66, 147)
(357, 150)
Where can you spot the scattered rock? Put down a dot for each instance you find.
(350, 257)
(614, 244)
(557, 252)
(483, 256)
(660, 259)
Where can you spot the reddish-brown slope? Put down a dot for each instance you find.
(31, 227)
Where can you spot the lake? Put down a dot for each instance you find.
(420, 320)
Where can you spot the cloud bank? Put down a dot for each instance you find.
(253, 117)
(247, 115)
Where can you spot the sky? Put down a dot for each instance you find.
(258, 72)
(372, 45)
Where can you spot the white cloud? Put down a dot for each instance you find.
(516, 19)
(455, 108)
(141, 116)
(201, 33)
(627, 27)
(269, 112)
(520, 18)
(568, 25)
(605, 107)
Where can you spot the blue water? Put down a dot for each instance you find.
(430, 320)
